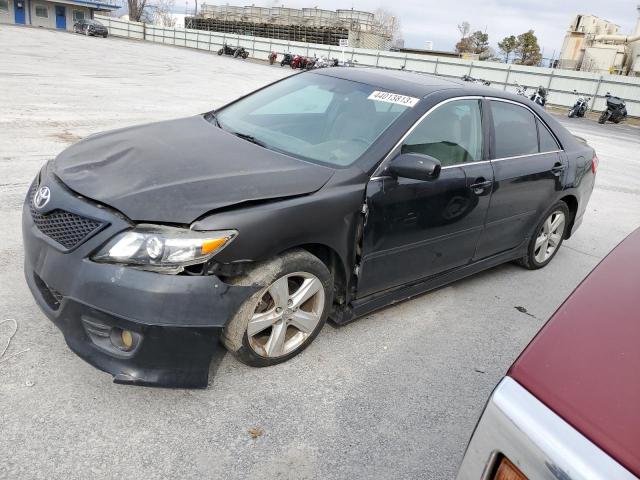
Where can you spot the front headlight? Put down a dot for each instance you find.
(163, 249)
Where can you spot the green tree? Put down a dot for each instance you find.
(528, 50)
(507, 46)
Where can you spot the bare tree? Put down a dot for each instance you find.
(389, 23)
(152, 11)
(464, 28)
(136, 9)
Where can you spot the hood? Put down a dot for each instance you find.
(178, 170)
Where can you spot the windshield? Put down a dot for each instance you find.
(323, 119)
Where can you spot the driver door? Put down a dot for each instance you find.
(419, 228)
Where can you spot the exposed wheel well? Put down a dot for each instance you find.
(333, 262)
(572, 204)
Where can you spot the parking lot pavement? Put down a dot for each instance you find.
(393, 395)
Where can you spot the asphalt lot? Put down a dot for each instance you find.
(393, 395)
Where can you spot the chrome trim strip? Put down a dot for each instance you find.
(525, 156)
(536, 439)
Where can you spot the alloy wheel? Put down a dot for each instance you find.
(549, 236)
(287, 313)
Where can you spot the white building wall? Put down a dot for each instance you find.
(38, 21)
(6, 14)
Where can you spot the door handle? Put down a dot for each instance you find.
(480, 186)
(558, 168)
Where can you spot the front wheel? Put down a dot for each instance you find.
(548, 237)
(221, 51)
(572, 113)
(286, 314)
(603, 118)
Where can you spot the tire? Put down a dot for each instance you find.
(603, 118)
(105, 35)
(535, 258)
(617, 120)
(236, 53)
(282, 63)
(221, 51)
(245, 55)
(572, 113)
(260, 348)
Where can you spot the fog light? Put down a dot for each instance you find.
(127, 339)
(124, 340)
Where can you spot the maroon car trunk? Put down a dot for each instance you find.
(585, 363)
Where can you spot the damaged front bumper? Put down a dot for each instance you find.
(174, 320)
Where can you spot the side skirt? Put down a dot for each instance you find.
(362, 306)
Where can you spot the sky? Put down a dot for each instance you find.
(437, 20)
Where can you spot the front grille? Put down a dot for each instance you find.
(66, 228)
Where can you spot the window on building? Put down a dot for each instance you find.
(515, 130)
(42, 11)
(4, 5)
(452, 133)
(78, 15)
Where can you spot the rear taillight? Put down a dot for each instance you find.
(594, 164)
(508, 471)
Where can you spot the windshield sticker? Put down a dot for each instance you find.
(393, 98)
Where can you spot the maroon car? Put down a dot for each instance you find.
(569, 407)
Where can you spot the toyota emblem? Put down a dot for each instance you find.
(43, 195)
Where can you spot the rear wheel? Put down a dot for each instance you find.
(221, 51)
(548, 237)
(286, 314)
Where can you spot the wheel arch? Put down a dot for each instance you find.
(572, 203)
(334, 262)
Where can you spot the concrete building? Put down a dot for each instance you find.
(593, 44)
(312, 25)
(60, 14)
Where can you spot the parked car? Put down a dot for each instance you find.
(90, 28)
(333, 192)
(568, 407)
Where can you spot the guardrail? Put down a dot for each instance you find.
(560, 83)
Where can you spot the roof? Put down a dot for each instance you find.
(414, 84)
(584, 363)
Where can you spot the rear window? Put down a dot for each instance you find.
(547, 141)
(515, 130)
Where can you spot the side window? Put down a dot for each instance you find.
(311, 99)
(547, 142)
(515, 130)
(4, 5)
(78, 16)
(452, 133)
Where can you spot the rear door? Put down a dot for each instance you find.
(416, 229)
(528, 166)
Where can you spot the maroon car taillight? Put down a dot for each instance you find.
(594, 164)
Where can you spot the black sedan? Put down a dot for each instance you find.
(328, 194)
(90, 28)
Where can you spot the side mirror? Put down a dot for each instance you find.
(415, 166)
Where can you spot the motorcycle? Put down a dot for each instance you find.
(580, 107)
(296, 61)
(520, 90)
(540, 96)
(272, 58)
(616, 110)
(479, 81)
(286, 60)
(233, 51)
(310, 63)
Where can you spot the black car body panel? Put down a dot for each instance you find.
(384, 238)
(178, 170)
